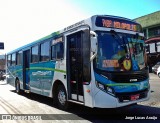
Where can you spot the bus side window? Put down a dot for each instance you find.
(13, 59)
(19, 58)
(44, 53)
(53, 52)
(57, 51)
(35, 54)
(60, 50)
(9, 60)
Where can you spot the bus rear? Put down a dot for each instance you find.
(120, 73)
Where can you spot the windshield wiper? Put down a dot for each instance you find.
(119, 40)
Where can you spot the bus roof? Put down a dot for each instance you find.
(35, 42)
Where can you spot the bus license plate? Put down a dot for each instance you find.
(135, 97)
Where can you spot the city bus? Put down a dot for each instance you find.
(97, 62)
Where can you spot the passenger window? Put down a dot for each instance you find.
(57, 51)
(19, 58)
(44, 54)
(60, 50)
(13, 59)
(34, 54)
(9, 60)
(53, 52)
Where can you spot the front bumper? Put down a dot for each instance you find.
(104, 100)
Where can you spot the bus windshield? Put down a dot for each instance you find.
(120, 52)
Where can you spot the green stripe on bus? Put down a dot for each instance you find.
(51, 69)
(122, 84)
(17, 71)
(41, 68)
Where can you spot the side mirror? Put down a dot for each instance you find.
(94, 45)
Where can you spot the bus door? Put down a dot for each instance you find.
(26, 62)
(75, 66)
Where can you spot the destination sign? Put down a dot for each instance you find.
(119, 23)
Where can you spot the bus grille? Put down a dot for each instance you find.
(129, 78)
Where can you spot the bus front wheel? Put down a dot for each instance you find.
(62, 98)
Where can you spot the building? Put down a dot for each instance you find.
(2, 63)
(151, 27)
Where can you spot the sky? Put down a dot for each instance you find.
(24, 21)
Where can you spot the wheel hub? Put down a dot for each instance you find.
(61, 97)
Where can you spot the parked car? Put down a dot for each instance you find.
(158, 71)
(155, 67)
(5, 75)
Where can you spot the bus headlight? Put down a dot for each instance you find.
(109, 89)
(101, 86)
(105, 88)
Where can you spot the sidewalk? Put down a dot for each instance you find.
(3, 82)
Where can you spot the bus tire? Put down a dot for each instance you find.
(17, 86)
(61, 97)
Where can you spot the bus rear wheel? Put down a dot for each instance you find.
(17, 86)
(61, 97)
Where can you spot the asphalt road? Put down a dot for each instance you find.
(41, 107)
